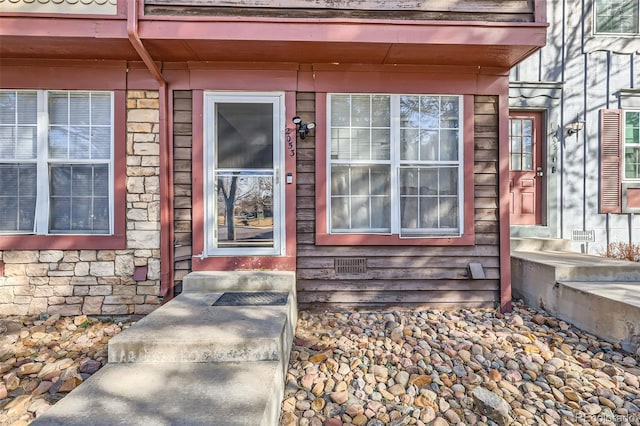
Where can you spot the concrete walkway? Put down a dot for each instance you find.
(191, 362)
(594, 293)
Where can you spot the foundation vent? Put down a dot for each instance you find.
(350, 265)
(583, 236)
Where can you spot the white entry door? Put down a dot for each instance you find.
(243, 187)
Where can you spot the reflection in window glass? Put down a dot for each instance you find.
(77, 143)
(423, 166)
(632, 144)
(616, 16)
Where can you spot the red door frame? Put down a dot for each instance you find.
(525, 184)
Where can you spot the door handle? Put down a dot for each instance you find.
(539, 171)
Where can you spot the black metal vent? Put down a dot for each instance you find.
(258, 298)
(350, 265)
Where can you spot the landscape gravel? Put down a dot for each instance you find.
(43, 359)
(409, 367)
(455, 367)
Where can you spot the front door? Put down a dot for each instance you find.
(525, 167)
(243, 188)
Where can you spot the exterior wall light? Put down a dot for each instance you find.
(574, 127)
(303, 128)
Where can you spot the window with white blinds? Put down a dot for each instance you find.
(56, 162)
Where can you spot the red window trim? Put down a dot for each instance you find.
(91, 242)
(323, 237)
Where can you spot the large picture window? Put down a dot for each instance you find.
(395, 164)
(56, 162)
(632, 145)
(616, 16)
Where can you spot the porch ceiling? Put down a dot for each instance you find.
(292, 42)
(264, 51)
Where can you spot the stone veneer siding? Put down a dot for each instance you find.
(100, 282)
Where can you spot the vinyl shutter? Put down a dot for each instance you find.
(610, 160)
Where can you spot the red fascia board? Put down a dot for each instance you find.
(30, 26)
(458, 33)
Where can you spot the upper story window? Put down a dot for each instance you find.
(617, 16)
(56, 162)
(395, 165)
(632, 144)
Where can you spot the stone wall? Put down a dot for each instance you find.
(100, 282)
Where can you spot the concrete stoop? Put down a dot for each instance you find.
(596, 294)
(191, 363)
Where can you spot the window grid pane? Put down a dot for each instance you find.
(617, 16)
(78, 148)
(632, 145)
(360, 198)
(80, 125)
(17, 197)
(18, 125)
(425, 169)
(79, 199)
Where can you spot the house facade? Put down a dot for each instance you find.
(363, 145)
(579, 98)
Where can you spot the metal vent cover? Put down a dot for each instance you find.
(357, 265)
(583, 236)
(257, 298)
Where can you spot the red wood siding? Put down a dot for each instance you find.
(434, 276)
(182, 140)
(446, 10)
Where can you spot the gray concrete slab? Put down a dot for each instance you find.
(189, 329)
(596, 294)
(581, 267)
(624, 292)
(220, 281)
(225, 394)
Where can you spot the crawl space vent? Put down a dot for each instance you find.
(583, 236)
(258, 298)
(350, 266)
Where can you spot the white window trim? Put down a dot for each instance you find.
(624, 146)
(395, 165)
(42, 214)
(209, 185)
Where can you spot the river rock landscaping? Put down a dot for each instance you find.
(460, 367)
(43, 359)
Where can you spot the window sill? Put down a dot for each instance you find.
(62, 242)
(391, 240)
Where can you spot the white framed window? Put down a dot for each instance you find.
(395, 164)
(56, 162)
(616, 16)
(631, 140)
(243, 189)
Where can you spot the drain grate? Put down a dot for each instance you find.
(252, 299)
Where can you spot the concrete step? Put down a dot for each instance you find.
(561, 266)
(597, 294)
(192, 363)
(610, 310)
(540, 244)
(224, 394)
(190, 329)
(221, 281)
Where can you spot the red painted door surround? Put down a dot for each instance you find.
(526, 170)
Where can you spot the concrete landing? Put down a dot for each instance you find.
(192, 363)
(597, 294)
(190, 329)
(173, 394)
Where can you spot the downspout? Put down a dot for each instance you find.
(166, 157)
